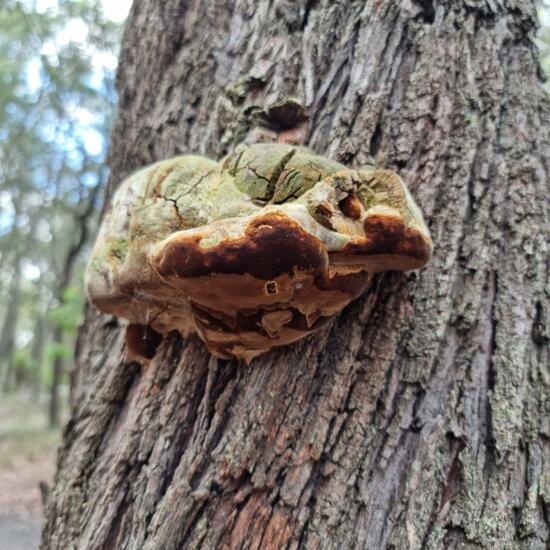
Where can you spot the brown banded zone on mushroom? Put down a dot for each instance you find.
(252, 252)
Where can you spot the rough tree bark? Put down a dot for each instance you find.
(419, 417)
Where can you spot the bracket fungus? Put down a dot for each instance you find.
(256, 251)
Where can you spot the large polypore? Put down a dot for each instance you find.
(252, 252)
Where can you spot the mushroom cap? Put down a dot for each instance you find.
(253, 252)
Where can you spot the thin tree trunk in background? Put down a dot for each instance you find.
(7, 336)
(64, 278)
(37, 351)
(57, 373)
(419, 417)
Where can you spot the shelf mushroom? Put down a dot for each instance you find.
(256, 251)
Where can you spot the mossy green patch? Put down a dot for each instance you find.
(119, 248)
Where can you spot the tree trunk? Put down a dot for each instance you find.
(79, 239)
(57, 374)
(7, 336)
(37, 352)
(419, 417)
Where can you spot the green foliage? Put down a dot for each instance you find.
(55, 350)
(68, 314)
(25, 364)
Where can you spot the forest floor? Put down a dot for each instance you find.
(27, 458)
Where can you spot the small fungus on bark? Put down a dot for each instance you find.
(256, 251)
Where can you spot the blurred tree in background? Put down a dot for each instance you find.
(57, 62)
